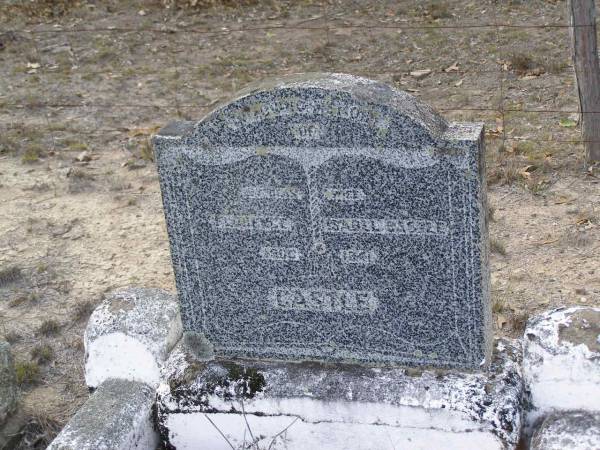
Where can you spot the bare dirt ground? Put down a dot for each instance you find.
(82, 87)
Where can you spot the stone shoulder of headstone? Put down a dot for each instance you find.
(9, 393)
(476, 405)
(329, 217)
(573, 430)
(368, 99)
(130, 334)
(118, 415)
(561, 362)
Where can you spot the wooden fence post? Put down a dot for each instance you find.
(587, 72)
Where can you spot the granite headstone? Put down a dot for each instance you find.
(329, 217)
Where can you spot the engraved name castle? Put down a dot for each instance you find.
(329, 217)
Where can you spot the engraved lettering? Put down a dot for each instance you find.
(358, 256)
(271, 192)
(350, 195)
(250, 223)
(323, 300)
(384, 226)
(280, 253)
(307, 131)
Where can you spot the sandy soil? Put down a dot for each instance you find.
(80, 208)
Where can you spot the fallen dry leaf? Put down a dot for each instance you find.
(452, 68)
(458, 83)
(420, 74)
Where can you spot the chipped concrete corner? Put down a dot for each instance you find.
(130, 335)
(561, 362)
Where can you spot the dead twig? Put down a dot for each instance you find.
(219, 430)
(281, 432)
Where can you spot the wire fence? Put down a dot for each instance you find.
(103, 110)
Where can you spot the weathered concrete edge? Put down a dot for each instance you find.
(118, 416)
(489, 400)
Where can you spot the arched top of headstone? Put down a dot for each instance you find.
(319, 110)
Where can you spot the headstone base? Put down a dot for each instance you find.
(222, 404)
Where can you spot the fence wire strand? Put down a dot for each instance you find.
(330, 26)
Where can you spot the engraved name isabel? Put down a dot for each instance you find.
(383, 226)
(323, 300)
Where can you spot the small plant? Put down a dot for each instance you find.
(9, 275)
(78, 146)
(498, 247)
(146, 152)
(49, 327)
(83, 310)
(498, 305)
(32, 154)
(19, 300)
(80, 174)
(12, 336)
(437, 10)
(521, 62)
(27, 373)
(519, 320)
(42, 353)
(491, 213)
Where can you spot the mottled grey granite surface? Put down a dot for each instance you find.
(329, 217)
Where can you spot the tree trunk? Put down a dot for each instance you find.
(587, 72)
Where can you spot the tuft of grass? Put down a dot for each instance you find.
(32, 154)
(201, 4)
(42, 9)
(42, 353)
(21, 299)
(519, 320)
(40, 428)
(49, 327)
(498, 305)
(506, 171)
(491, 213)
(79, 181)
(10, 275)
(80, 174)
(12, 336)
(437, 10)
(27, 373)
(117, 184)
(497, 246)
(146, 152)
(83, 310)
(521, 62)
(77, 146)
